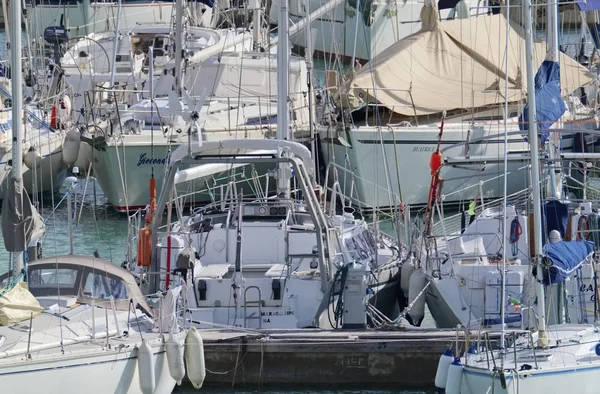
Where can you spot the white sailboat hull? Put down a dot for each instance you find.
(580, 378)
(398, 170)
(103, 371)
(48, 176)
(92, 16)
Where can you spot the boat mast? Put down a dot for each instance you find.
(535, 175)
(552, 55)
(309, 76)
(283, 123)
(179, 45)
(505, 202)
(116, 46)
(17, 112)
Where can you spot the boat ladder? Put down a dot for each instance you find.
(252, 304)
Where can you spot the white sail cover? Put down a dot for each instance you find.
(17, 305)
(456, 64)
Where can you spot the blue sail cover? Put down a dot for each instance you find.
(210, 3)
(588, 5)
(549, 105)
(563, 258)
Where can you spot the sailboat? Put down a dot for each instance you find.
(231, 87)
(386, 123)
(557, 357)
(50, 145)
(264, 254)
(68, 322)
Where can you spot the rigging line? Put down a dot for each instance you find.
(391, 193)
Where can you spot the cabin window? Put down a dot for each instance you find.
(52, 277)
(99, 285)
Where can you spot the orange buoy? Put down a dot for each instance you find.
(144, 247)
(436, 162)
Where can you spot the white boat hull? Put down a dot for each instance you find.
(581, 379)
(400, 171)
(91, 16)
(105, 371)
(50, 173)
(124, 171)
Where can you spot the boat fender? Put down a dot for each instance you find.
(462, 10)
(194, 358)
(417, 283)
(71, 146)
(32, 158)
(441, 376)
(503, 380)
(146, 368)
(175, 359)
(455, 372)
(597, 349)
(473, 350)
(435, 162)
(64, 110)
(54, 117)
(407, 269)
(144, 246)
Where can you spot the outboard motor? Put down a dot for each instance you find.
(57, 36)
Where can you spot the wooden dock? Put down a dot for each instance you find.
(406, 357)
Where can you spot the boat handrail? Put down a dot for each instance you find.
(262, 147)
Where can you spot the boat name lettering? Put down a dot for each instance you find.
(278, 313)
(424, 149)
(586, 288)
(145, 160)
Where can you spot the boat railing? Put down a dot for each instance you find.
(451, 223)
(241, 113)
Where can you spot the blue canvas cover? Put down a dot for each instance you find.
(549, 105)
(588, 5)
(564, 258)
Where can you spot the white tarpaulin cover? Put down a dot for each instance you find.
(17, 305)
(456, 64)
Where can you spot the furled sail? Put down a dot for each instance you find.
(456, 64)
(20, 220)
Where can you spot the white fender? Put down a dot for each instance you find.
(32, 158)
(165, 384)
(417, 283)
(441, 376)
(71, 145)
(407, 269)
(455, 372)
(175, 359)
(194, 358)
(146, 368)
(65, 109)
(462, 10)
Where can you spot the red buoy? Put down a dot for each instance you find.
(436, 162)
